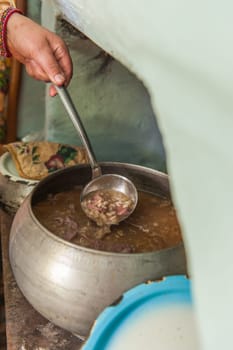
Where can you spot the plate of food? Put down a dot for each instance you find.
(24, 164)
(8, 169)
(35, 160)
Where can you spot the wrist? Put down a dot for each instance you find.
(14, 25)
(5, 16)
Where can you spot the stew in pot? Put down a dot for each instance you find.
(152, 226)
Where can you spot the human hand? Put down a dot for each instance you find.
(43, 53)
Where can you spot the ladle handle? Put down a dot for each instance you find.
(77, 122)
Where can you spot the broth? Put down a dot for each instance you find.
(152, 226)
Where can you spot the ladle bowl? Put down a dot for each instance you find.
(108, 182)
(99, 182)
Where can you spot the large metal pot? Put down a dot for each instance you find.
(68, 284)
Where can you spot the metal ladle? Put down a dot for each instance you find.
(114, 182)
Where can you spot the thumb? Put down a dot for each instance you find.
(51, 67)
(58, 79)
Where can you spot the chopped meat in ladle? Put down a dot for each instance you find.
(107, 207)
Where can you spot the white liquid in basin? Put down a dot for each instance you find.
(167, 328)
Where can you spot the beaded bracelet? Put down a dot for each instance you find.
(4, 17)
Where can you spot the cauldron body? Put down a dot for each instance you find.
(68, 284)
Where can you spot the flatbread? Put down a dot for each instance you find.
(35, 160)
